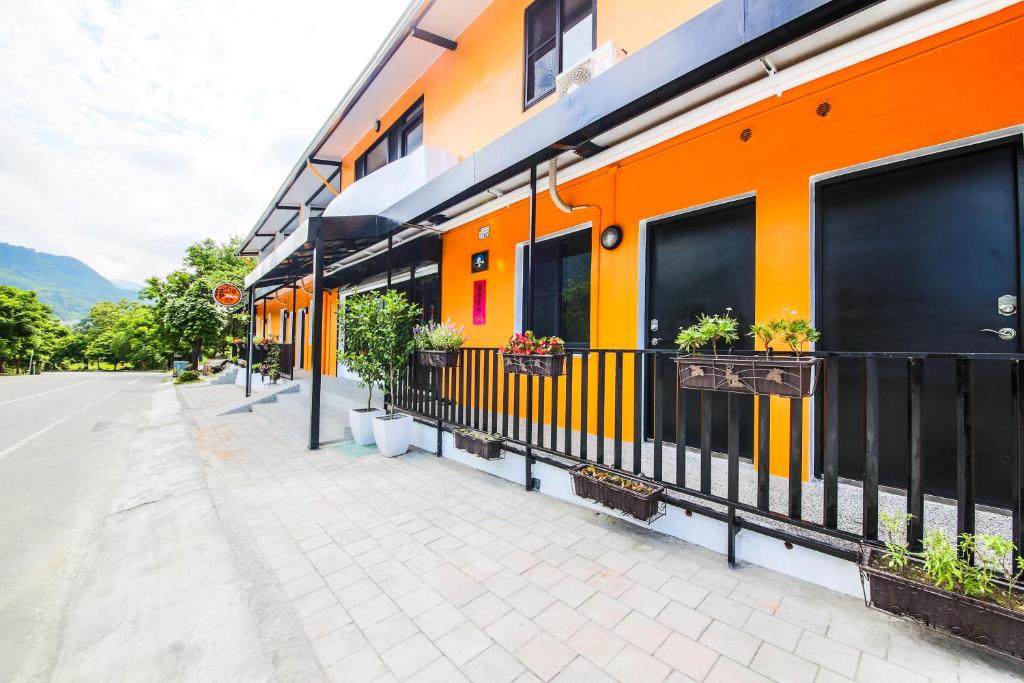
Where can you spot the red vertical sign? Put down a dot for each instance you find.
(479, 302)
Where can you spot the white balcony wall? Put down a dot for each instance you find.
(382, 188)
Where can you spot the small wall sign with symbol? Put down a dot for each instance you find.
(479, 302)
(483, 233)
(479, 261)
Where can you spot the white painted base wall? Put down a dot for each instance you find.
(764, 551)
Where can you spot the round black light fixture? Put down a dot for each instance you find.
(611, 237)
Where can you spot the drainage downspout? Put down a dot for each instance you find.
(595, 287)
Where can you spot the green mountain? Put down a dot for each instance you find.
(65, 283)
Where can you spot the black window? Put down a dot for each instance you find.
(561, 294)
(399, 140)
(558, 34)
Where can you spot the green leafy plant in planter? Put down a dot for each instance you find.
(709, 329)
(272, 365)
(975, 582)
(438, 343)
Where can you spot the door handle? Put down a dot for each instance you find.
(1004, 333)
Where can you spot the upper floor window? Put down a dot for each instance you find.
(558, 34)
(397, 141)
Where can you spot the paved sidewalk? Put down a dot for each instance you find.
(417, 568)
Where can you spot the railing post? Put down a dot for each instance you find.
(796, 457)
(617, 443)
(964, 447)
(705, 442)
(659, 414)
(764, 449)
(600, 406)
(915, 466)
(733, 475)
(529, 433)
(830, 468)
(1017, 494)
(870, 509)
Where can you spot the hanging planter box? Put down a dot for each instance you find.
(789, 377)
(981, 622)
(480, 444)
(552, 365)
(439, 359)
(609, 492)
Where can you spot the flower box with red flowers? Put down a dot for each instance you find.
(527, 354)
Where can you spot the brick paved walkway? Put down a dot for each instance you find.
(416, 568)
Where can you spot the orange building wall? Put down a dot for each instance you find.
(475, 94)
(281, 302)
(963, 82)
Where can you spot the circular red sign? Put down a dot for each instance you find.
(227, 294)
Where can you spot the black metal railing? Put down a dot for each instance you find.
(885, 412)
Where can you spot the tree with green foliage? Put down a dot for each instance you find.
(122, 333)
(28, 328)
(187, 319)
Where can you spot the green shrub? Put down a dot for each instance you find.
(187, 376)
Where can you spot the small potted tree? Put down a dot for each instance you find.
(527, 354)
(391, 345)
(968, 589)
(359, 316)
(438, 344)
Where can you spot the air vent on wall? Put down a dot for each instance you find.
(824, 109)
(746, 134)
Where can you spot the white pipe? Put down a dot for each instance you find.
(553, 189)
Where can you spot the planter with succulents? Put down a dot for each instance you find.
(617, 491)
(526, 354)
(438, 344)
(480, 444)
(790, 376)
(977, 601)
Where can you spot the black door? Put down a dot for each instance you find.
(914, 257)
(701, 262)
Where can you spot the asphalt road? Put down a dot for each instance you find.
(57, 471)
(115, 561)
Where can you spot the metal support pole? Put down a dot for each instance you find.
(528, 317)
(317, 307)
(295, 296)
(391, 237)
(248, 344)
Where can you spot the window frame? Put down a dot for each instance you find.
(394, 138)
(559, 21)
(556, 241)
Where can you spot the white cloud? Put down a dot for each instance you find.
(129, 130)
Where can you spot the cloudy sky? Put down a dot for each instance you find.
(131, 128)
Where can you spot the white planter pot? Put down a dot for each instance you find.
(360, 421)
(393, 434)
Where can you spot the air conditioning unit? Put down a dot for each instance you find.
(585, 70)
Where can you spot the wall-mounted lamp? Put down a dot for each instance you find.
(611, 237)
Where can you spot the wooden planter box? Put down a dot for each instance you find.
(789, 377)
(979, 621)
(438, 359)
(642, 506)
(543, 366)
(472, 442)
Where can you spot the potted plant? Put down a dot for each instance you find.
(789, 376)
(615, 490)
(390, 344)
(480, 444)
(526, 354)
(271, 367)
(438, 344)
(968, 589)
(359, 316)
